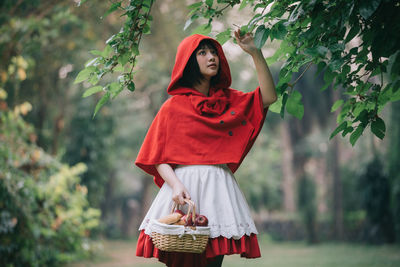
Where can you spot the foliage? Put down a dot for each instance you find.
(119, 54)
(356, 49)
(307, 37)
(39, 50)
(375, 188)
(90, 141)
(45, 218)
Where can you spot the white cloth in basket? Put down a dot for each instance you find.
(216, 194)
(179, 230)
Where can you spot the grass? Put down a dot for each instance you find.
(274, 254)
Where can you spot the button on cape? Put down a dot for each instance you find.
(191, 128)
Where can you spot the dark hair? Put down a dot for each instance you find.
(191, 73)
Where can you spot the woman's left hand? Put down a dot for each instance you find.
(246, 42)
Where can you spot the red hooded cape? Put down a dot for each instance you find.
(191, 128)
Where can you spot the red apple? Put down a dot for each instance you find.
(188, 219)
(201, 220)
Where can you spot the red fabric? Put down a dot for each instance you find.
(191, 128)
(247, 247)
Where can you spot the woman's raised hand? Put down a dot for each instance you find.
(179, 192)
(246, 42)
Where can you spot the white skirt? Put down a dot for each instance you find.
(216, 194)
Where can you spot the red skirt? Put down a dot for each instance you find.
(247, 247)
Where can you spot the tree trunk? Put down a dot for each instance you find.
(288, 184)
(337, 190)
(334, 169)
(394, 165)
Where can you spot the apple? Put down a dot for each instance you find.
(188, 219)
(201, 220)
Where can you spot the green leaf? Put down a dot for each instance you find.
(328, 78)
(261, 36)
(367, 8)
(284, 101)
(190, 21)
(276, 106)
(84, 74)
(115, 89)
(107, 50)
(224, 36)
(81, 2)
(124, 58)
(96, 52)
(243, 4)
(101, 102)
(352, 33)
(131, 86)
(338, 129)
(378, 128)
(294, 105)
(209, 3)
(146, 29)
(195, 5)
(395, 69)
(135, 49)
(92, 91)
(281, 52)
(321, 66)
(347, 130)
(92, 62)
(119, 68)
(203, 29)
(278, 31)
(113, 8)
(337, 105)
(244, 29)
(356, 134)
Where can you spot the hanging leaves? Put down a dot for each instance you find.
(305, 37)
(308, 37)
(119, 54)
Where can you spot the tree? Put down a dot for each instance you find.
(356, 49)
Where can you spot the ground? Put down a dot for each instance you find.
(274, 254)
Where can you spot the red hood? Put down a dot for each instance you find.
(185, 50)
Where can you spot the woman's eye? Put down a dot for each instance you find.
(202, 52)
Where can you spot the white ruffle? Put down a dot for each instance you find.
(215, 191)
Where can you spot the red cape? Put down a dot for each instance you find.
(191, 128)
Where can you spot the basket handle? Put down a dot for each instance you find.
(192, 208)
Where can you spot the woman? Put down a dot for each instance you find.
(197, 141)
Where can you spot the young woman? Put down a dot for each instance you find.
(196, 142)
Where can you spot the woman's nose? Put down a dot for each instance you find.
(211, 57)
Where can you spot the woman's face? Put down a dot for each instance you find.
(208, 61)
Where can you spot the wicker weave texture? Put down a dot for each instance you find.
(186, 243)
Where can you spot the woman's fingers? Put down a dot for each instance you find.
(180, 193)
(187, 195)
(181, 201)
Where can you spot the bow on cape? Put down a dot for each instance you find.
(213, 105)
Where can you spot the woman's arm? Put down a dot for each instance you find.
(267, 86)
(179, 191)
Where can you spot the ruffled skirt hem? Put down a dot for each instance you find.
(246, 246)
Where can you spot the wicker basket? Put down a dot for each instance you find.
(179, 238)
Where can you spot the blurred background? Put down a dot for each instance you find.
(68, 184)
